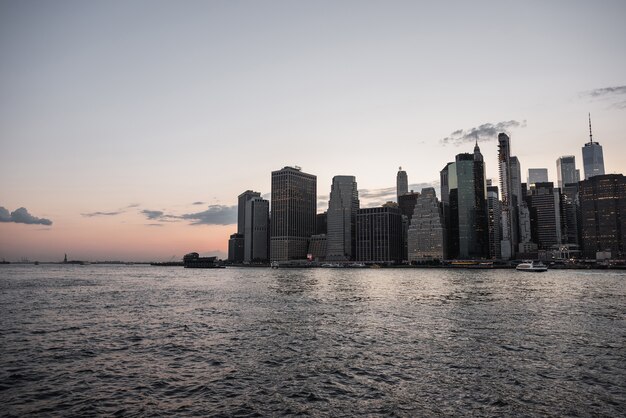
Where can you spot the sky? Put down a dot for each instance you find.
(129, 128)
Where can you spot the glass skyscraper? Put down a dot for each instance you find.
(593, 159)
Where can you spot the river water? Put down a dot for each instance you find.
(142, 340)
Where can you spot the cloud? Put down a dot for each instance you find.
(214, 215)
(21, 216)
(92, 214)
(615, 94)
(482, 133)
(607, 91)
(154, 224)
(198, 203)
(152, 214)
(112, 212)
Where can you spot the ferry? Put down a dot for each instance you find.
(532, 266)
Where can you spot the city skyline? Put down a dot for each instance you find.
(128, 131)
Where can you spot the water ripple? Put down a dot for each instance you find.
(138, 340)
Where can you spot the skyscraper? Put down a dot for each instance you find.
(236, 248)
(241, 209)
(379, 235)
(504, 167)
(402, 183)
(603, 211)
(593, 159)
(341, 217)
(294, 205)
(537, 175)
(545, 215)
(493, 220)
(425, 236)
(571, 212)
(465, 217)
(256, 231)
(566, 170)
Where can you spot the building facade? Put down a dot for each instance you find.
(509, 226)
(466, 224)
(545, 215)
(402, 183)
(341, 217)
(537, 175)
(236, 248)
(603, 212)
(493, 221)
(256, 231)
(566, 170)
(379, 235)
(294, 206)
(425, 235)
(241, 208)
(593, 158)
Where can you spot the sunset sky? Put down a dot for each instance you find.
(128, 128)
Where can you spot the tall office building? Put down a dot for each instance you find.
(425, 235)
(465, 220)
(341, 217)
(493, 220)
(321, 224)
(256, 230)
(241, 209)
(507, 244)
(603, 211)
(294, 206)
(545, 215)
(402, 183)
(593, 159)
(406, 203)
(566, 170)
(537, 175)
(570, 206)
(450, 210)
(379, 235)
(236, 248)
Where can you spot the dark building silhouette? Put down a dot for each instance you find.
(466, 216)
(570, 209)
(509, 226)
(241, 209)
(406, 203)
(379, 235)
(493, 220)
(321, 225)
(294, 207)
(545, 215)
(256, 231)
(236, 248)
(603, 212)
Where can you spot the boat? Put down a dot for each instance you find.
(531, 266)
(194, 261)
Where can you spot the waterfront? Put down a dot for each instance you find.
(141, 340)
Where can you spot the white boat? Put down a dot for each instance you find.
(532, 266)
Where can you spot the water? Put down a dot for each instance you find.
(141, 340)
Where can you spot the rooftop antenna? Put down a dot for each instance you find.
(590, 136)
